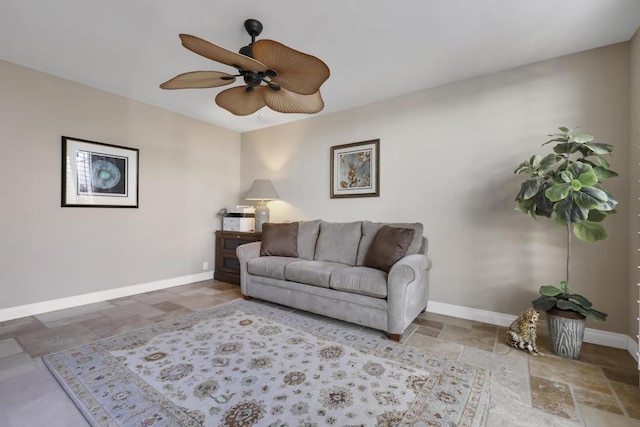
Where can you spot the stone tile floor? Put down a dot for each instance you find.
(601, 389)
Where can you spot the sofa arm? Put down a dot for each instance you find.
(245, 253)
(407, 290)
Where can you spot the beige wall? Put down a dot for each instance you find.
(188, 170)
(447, 160)
(634, 178)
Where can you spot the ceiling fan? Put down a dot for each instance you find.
(276, 76)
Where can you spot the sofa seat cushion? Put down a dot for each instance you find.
(360, 280)
(315, 273)
(269, 266)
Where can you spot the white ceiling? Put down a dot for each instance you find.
(375, 49)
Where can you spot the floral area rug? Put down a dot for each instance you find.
(250, 364)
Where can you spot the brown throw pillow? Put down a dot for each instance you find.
(279, 240)
(389, 245)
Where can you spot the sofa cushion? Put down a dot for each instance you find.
(370, 229)
(279, 240)
(360, 280)
(338, 242)
(307, 237)
(315, 273)
(272, 266)
(389, 245)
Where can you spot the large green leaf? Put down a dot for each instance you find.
(602, 172)
(523, 167)
(550, 291)
(569, 212)
(608, 206)
(566, 176)
(597, 315)
(564, 285)
(588, 231)
(582, 138)
(544, 303)
(588, 179)
(548, 162)
(597, 193)
(589, 198)
(529, 188)
(568, 305)
(557, 138)
(543, 206)
(558, 191)
(579, 299)
(596, 216)
(600, 148)
(524, 206)
(578, 168)
(566, 148)
(535, 160)
(603, 162)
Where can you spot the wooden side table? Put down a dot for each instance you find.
(227, 268)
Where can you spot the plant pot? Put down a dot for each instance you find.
(566, 332)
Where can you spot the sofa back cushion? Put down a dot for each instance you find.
(279, 240)
(338, 242)
(370, 229)
(307, 238)
(389, 245)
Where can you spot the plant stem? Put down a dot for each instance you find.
(568, 249)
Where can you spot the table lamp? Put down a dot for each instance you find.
(262, 190)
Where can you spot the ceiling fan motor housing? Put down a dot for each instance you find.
(253, 78)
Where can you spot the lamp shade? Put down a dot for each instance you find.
(262, 189)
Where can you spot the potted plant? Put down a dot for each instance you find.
(566, 185)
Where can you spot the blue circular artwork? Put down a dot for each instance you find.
(104, 174)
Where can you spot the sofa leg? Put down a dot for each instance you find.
(395, 337)
(246, 297)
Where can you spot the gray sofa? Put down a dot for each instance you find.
(329, 274)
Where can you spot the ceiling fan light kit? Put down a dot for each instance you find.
(275, 75)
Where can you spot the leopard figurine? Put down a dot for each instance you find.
(522, 332)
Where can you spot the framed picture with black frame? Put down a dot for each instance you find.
(98, 175)
(355, 169)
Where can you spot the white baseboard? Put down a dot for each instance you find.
(632, 348)
(74, 301)
(595, 336)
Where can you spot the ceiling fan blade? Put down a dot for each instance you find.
(220, 54)
(297, 71)
(198, 80)
(238, 101)
(285, 101)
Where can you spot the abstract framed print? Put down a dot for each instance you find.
(98, 175)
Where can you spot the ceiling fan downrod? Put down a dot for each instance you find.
(254, 28)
